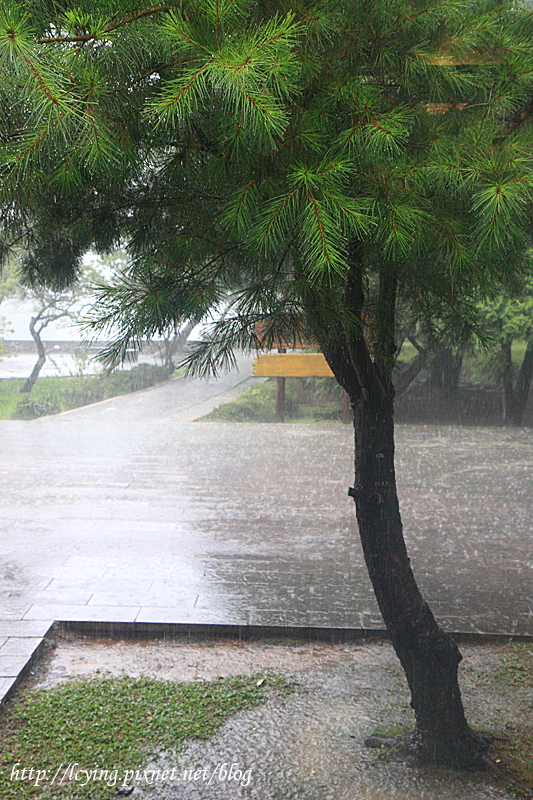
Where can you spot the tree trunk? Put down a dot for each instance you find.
(428, 655)
(445, 372)
(507, 381)
(30, 382)
(280, 394)
(514, 399)
(280, 400)
(523, 385)
(403, 379)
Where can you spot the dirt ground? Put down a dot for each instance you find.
(310, 744)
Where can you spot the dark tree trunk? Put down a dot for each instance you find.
(41, 352)
(280, 400)
(363, 365)
(445, 372)
(515, 397)
(428, 655)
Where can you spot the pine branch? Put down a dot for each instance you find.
(524, 114)
(87, 37)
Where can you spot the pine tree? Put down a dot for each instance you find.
(322, 165)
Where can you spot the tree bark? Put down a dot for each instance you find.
(428, 655)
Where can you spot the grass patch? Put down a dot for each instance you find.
(113, 724)
(55, 394)
(306, 400)
(512, 756)
(516, 667)
(512, 751)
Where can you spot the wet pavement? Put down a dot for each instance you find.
(128, 511)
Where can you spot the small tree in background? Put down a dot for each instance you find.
(50, 306)
(509, 317)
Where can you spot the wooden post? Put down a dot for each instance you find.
(346, 409)
(280, 394)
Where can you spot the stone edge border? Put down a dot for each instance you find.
(146, 630)
(8, 684)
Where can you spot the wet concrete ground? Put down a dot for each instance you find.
(127, 511)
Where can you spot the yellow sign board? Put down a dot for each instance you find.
(292, 365)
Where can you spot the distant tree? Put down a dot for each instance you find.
(8, 287)
(171, 346)
(445, 370)
(509, 317)
(405, 374)
(50, 306)
(8, 281)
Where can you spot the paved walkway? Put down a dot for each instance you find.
(129, 512)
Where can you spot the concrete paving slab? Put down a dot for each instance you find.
(139, 598)
(20, 647)
(6, 688)
(69, 594)
(12, 666)
(13, 612)
(192, 616)
(67, 613)
(104, 584)
(21, 628)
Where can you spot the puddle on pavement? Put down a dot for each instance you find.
(305, 746)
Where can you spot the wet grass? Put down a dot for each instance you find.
(306, 400)
(55, 394)
(109, 724)
(512, 751)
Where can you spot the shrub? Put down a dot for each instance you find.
(31, 409)
(52, 395)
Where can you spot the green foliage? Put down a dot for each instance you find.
(92, 389)
(114, 723)
(256, 156)
(256, 404)
(306, 400)
(29, 408)
(510, 313)
(508, 317)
